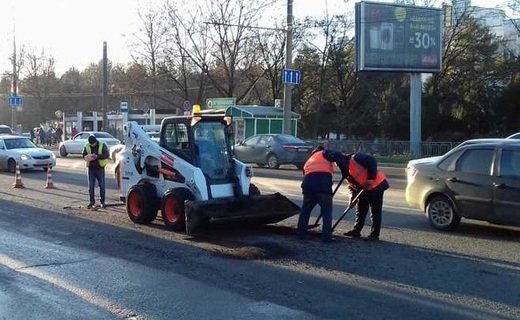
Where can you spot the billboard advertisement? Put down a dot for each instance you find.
(392, 37)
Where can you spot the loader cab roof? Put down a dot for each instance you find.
(191, 120)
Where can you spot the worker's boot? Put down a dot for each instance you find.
(353, 233)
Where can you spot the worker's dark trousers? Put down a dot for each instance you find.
(374, 201)
(99, 175)
(324, 200)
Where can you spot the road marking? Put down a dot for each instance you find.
(474, 308)
(81, 293)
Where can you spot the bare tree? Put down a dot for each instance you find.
(271, 46)
(149, 45)
(40, 82)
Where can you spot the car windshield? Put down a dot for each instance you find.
(18, 143)
(103, 135)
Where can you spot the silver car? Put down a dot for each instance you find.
(21, 150)
(78, 142)
(273, 150)
(478, 181)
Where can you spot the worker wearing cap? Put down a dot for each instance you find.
(363, 174)
(317, 189)
(96, 154)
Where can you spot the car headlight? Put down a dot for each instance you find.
(25, 157)
(53, 156)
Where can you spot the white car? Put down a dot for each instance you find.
(78, 142)
(114, 150)
(21, 150)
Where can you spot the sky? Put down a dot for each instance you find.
(73, 31)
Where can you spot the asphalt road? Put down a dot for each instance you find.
(61, 261)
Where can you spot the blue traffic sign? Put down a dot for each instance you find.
(291, 76)
(15, 101)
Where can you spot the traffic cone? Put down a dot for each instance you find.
(18, 178)
(49, 184)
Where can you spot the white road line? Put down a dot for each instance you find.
(81, 293)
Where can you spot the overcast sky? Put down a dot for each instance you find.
(73, 31)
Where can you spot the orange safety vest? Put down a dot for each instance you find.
(318, 163)
(360, 174)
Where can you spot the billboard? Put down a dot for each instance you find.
(392, 37)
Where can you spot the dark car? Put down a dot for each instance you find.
(273, 150)
(477, 181)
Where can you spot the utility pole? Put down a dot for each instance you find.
(14, 89)
(104, 96)
(287, 90)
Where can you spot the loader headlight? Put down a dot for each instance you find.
(249, 172)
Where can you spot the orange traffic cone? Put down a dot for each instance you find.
(18, 178)
(49, 184)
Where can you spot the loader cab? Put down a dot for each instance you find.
(203, 141)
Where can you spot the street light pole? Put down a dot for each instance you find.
(14, 89)
(104, 97)
(287, 90)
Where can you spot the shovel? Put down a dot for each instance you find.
(350, 206)
(317, 223)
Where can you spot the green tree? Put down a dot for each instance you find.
(460, 101)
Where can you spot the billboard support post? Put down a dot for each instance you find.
(415, 115)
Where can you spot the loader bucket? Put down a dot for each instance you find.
(258, 209)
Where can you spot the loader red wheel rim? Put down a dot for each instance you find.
(134, 205)
(170, 209)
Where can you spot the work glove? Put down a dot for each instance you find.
(353, 188)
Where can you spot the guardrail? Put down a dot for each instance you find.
(385, 148)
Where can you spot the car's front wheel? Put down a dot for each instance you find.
(11, 165)
(441, 213)
(63, 151)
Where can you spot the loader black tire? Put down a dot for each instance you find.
(253, 190)
(172, 208)
(141, 203)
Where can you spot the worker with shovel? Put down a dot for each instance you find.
(363, 176)
(317, 189)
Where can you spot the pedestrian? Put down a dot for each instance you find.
(33, 135)
(48, 136)
(363, 175)
(74, 132)
(96, 154)
(317, 189)
(58, 134)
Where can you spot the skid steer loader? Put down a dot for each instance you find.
(192, 177)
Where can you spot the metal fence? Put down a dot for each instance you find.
(385, 148)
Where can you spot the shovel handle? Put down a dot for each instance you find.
(350, 206)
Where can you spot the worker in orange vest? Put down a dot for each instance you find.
(317, 189)
(363, 174)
